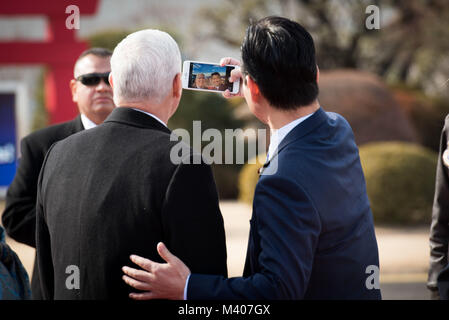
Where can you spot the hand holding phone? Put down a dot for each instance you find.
(236, 75)
(204, 76)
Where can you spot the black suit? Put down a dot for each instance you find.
(439, 231)
(19, 217)
(112, 191)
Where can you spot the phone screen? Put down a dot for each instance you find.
(210, 76)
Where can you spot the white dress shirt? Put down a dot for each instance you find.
(87, 123)
(277, 135)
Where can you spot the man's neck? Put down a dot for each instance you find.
(276, 118)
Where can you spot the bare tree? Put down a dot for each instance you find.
(412, 42)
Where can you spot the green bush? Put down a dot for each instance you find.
(248, 178)
(216, 112)
(400, 180)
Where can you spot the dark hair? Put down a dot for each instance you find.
(279, 55)
(215, 74)
(99, 52)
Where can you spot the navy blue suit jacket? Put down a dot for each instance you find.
(312, 233)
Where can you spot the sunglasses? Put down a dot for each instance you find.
(93, 79)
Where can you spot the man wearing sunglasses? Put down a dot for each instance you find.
(91, 90)
(93, 95)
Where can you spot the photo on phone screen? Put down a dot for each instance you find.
(210, 77)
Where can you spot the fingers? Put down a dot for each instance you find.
(236, 74)
(229, 60)
(145, 264)
(166, 254)
(143, 296)
(139, 285)
(227, 94)
(140, 275)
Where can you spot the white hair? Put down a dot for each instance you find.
(144, 65)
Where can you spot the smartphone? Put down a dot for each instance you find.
(205, 76)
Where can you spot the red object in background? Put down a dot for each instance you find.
(58, 52)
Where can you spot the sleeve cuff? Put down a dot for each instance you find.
(185, 287)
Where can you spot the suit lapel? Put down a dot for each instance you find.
(77, 124)
(304, 128)
(135, 118)
(301, 130)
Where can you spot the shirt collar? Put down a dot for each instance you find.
(151, 115)
(277, 135)
(87, 123)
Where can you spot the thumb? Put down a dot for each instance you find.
(165, 254)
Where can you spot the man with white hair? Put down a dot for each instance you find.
(113, 190)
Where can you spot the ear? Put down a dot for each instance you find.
(317, 74)
(253, 89)
(73, 85)
(111, 81)
(177, 86)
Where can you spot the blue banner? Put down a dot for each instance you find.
(8, 159)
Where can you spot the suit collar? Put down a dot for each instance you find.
(135, 118)
(303, 128)
(297, 133)
(78, 124)
(279, 134)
